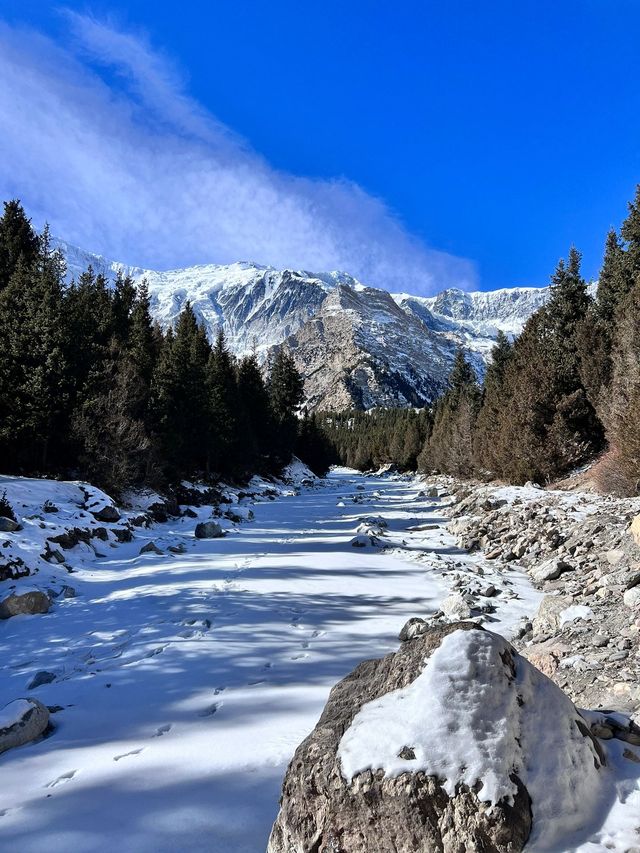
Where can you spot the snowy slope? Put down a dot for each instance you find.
(183, 682)
(356, 345)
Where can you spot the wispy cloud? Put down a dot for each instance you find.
(100, 138)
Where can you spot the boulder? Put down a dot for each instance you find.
(455, 606)
(208, 530)
(8, 525)
(631, 597)
(413, 628)
(437, 747)
(634, 529)
(22, 721)
(41, 677)
(150, 548)
(365, 540)
(547, 619)
(550, 570)
(108, 513)
(30, 602)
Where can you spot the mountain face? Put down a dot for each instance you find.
(355, 345)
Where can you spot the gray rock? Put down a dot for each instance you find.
(550, 570)
(107, 513)
(8, 525)
(208, 530)
(30, 602)
(323, 812)
(631, 597)
(455, 606)
(547, 619)
(150, 548)
(24, 720)
(177, 549)
(413, 628)
(41, 677)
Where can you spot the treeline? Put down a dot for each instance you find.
(564, 390)
(368, 440)
(90, 386)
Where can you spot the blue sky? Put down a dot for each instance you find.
(475, 141)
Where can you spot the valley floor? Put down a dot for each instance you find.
(185, 682)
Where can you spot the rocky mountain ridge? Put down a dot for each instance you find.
(355, 345)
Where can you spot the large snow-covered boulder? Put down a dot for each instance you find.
(454, 743)
(22, 721)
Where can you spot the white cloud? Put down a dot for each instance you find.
(100, 138)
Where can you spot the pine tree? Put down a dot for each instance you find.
(18, 242)
(286, 392)
(486, 440)
(113, 442)
(450, 445)
(615, 281)
(622, 465)
(180, 398)
(411, 448)
(255, 426)
(223, 408)
(33, 390)
(122, 304)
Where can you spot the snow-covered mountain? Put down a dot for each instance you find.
(355, 345)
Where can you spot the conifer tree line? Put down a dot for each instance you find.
(566, 390)
(369, 440)
(91, 387)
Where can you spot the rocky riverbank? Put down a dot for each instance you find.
(583, 552)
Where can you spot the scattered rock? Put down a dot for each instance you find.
(634, 529)
(8, 525)
(41, 677)
(413, 628)
(548, 617)
(22, 721)
(631, 597)
(108, 514)
(150, 548)
(363, 540)
(454, 606)
(208, 530)
(550, 570)
(30, 602)
(177, 549)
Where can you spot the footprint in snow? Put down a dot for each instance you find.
(162, 730)
(157, 651)
(127, 754)
(66, 777)
(211, 710)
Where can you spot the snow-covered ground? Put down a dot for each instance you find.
(186, 681)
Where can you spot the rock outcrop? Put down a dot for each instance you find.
(427, 750)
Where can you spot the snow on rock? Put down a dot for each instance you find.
(22, 721)
(478, 715)
(576, 611)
